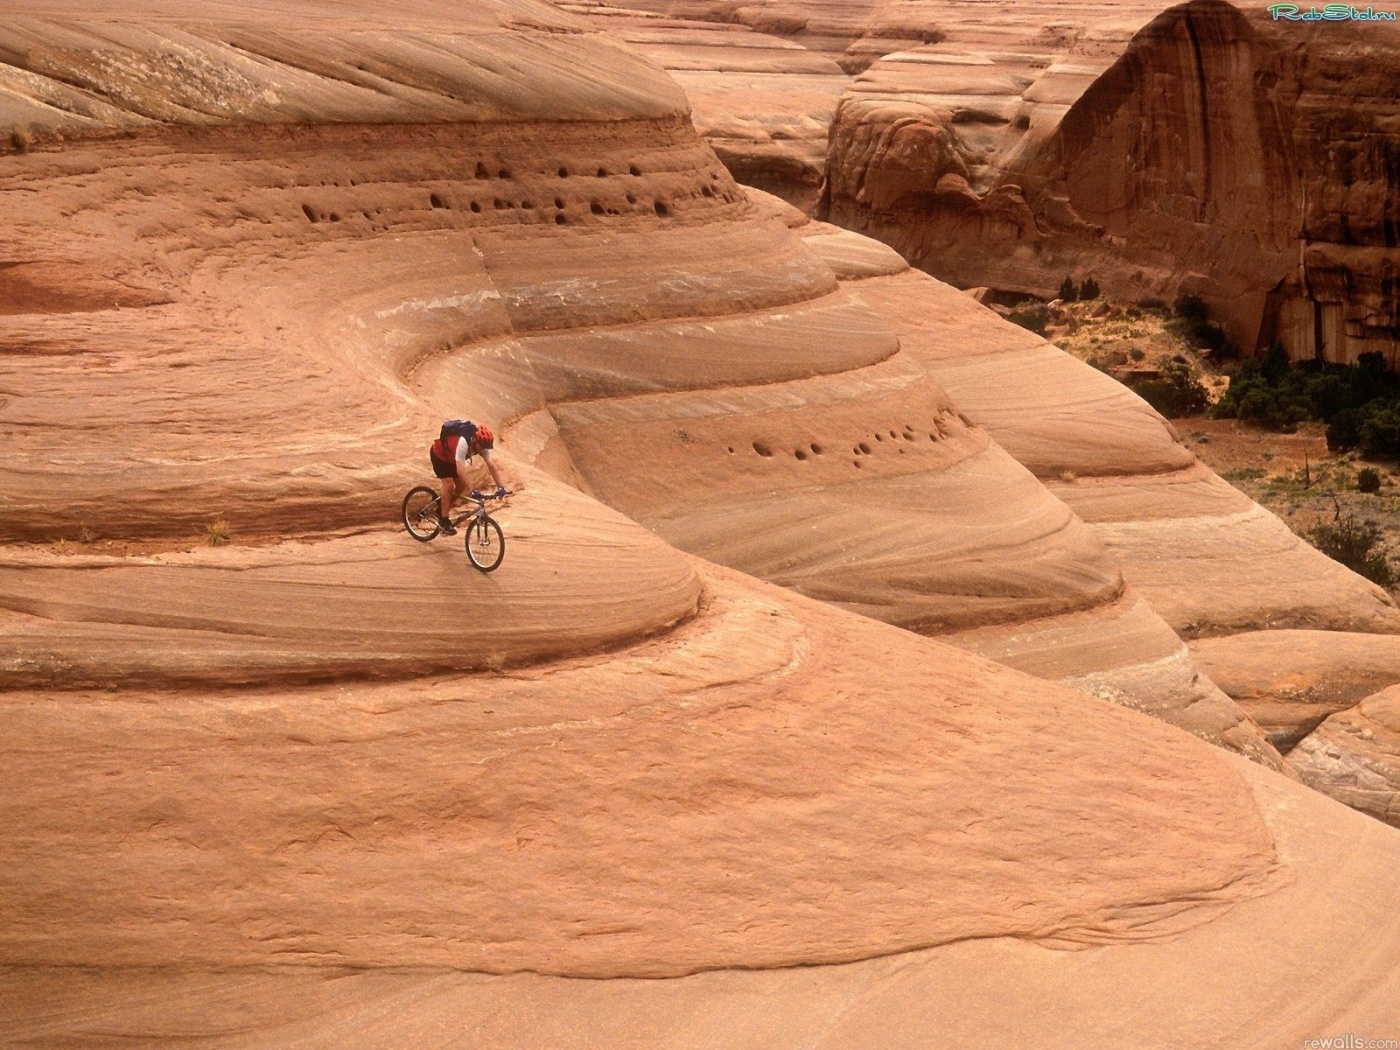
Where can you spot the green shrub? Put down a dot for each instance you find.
(1190, 308)
(1176, 394)
(1032, 317)
(1368, 480)
(1354, 544)
(1089, 289)
(1192, 325)
(1344, 432)
(1067, 292)
(1360, 404)
(1380, 429)
(1275, 364)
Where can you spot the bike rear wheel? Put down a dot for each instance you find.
(486, 543)
(420, 513)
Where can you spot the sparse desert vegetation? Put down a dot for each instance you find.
(1295, 437)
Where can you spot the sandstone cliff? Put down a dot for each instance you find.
(1208, 148)
(1225, 154)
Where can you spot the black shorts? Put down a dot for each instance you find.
(441, 468)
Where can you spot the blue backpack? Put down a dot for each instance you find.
(463, 428)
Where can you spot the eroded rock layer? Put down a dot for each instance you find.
(1209, 149)
(567, 801)
(1289, 681)
(520, 269)
(322, 746)
(1354, 756)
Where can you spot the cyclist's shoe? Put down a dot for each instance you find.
(476, 494)
(501, 492)
(446, 527)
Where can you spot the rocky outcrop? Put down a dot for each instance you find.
(1354, 756)
(761, 100)
(1222, 153)
(742, 748)
(1289, 680)
(1207, 149)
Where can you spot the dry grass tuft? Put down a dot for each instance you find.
(218, 532)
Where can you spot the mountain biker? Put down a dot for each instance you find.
(458, 441)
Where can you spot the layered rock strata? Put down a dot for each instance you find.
(1222, 153)
(1290, 681)
(567, 800)
(1183, 535)
(1354, 756)
(533, 274)
(1207, 149)
(297, 808)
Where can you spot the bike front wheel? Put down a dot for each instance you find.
(486, 543)
(420, 513)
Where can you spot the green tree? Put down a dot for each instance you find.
(1275, 364)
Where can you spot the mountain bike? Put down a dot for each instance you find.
(485, 542)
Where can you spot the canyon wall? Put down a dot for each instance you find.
(1206, 149)
(1222, 154)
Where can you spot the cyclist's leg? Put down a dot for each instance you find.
(446, 474)
(449, 490)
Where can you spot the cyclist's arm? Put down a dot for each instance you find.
(495, 474)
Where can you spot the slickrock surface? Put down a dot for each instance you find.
(1205, 556)
(1208, 558)
(817, 782)
(527, 270)
(1331, 968)
(834, 465)
(763, 102)
(1354, 756)
(369, 604)
(320, 784)
(1289, 681)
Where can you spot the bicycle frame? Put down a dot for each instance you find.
(479, 511)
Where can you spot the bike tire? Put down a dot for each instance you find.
(486, 543)
(420, 513)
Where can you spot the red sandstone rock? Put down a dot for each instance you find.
(729, 776)
(1289, 681)
(1192, 163)
(1160, 151)
(1354, 756)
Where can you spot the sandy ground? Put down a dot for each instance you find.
(1295, 475)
